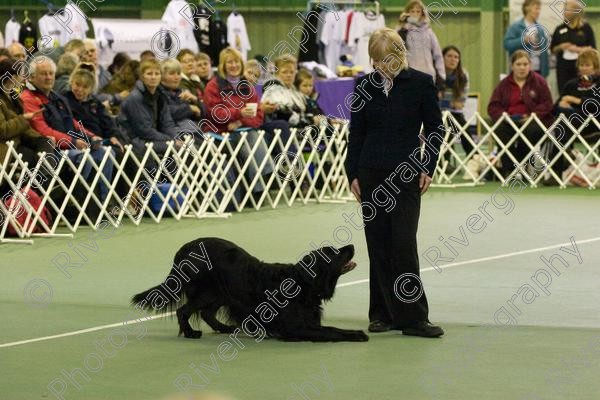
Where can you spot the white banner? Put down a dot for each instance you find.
(131, 36)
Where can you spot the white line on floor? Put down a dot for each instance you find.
(456, 264)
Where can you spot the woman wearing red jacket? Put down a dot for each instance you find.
(520, 94)
(227, 97)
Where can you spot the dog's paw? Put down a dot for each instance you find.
(193, 334)
(359, 336)
(227, 329)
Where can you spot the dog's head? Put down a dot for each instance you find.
(324, 266)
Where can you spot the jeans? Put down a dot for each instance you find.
(76, 157)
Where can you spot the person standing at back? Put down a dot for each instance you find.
(424, 52)
(527, 34)
(569, 40)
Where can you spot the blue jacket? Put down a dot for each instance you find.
(513, 41)
(384, 130)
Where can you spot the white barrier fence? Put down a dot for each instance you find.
(212, 178)
(203, 179)
(564, 154)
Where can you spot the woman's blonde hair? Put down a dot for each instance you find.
(578, 17)
(589, 56)
(83, 76)
(202, 57)
(416, 3)
(252, 64)
(170, 65)
(226, 52)
(386, 45)
(285, 59)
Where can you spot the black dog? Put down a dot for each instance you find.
(278, 300)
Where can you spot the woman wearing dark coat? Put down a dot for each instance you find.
(184, 107)
(89, 110)
(145, 112)
(388, 180)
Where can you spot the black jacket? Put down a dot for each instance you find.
(384, 131)
(94, 117)
(180, 110)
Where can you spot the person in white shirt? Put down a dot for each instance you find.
(237, 36)
(178, 19)
(11, 32)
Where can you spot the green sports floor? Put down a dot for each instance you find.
(63, 337)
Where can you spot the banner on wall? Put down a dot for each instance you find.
(132, 36)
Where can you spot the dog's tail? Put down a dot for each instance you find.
(159, 298)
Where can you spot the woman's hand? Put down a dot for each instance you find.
(196, 110)
(188, 96)
(565, 46)
(457, 105)
(268, 107)
(124, 93)
(571, 100)
(564, 104)
(234, 125)
(319, 119)
(80, 144)
(424, 182)
(247, 112)
(29, 116)
(115, 141)
(355, 189)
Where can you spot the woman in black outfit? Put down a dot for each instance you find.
(388, 179)
(569, 40)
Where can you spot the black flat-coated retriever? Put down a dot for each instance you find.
(263, 299)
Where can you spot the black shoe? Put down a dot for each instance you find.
(423, 329)
(379, 326)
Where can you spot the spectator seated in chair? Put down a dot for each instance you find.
(145, 113)
(53, 118)
(189, 80)
(232, 105)
(578, 100)
(183, 105)
(520, 94)
(89, 110)
(14, 123)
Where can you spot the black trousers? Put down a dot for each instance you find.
(392, 246)
(518, 149)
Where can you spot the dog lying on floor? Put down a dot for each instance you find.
(263, 299)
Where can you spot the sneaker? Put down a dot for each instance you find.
(423, 329)
(379, 326)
